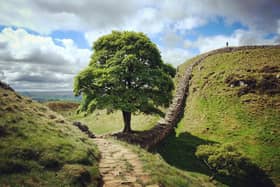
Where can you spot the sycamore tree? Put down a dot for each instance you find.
(125, 73)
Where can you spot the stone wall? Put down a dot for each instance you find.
(164, 127)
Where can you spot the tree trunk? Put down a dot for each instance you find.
(127, 120)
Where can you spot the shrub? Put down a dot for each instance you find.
(224, 159)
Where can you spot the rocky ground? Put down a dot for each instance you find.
(119, 166)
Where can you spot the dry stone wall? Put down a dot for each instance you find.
(148, 139)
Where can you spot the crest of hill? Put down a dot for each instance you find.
(38, 147)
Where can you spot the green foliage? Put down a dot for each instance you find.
(169, 69)
(224, 159)
(125, 73)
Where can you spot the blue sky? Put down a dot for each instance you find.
(77, 36)
(44, 43)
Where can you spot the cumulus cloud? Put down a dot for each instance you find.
(151, 16)
(175, 56)
(96, 18)
(261, 14)
(172, 39)
(189, 23)
(32, 58)
(146, 20)
(238, 38)
(46, 16)
(92, 36)
(25, 57)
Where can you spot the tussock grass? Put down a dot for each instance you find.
(39, 147)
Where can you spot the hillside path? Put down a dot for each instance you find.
(119, 166)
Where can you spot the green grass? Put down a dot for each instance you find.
(217, 112)
(166, 175)
(100, 122)
(39, 147)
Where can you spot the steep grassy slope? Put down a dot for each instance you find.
(39, 147)
(233, 98)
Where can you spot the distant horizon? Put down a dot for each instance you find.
(51, 95)
(21, 91)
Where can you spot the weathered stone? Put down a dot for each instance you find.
(118, 165)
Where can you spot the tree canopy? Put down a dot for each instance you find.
(125, 73)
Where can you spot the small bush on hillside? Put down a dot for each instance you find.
(224, 159)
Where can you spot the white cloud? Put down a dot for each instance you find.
(172, 39)
(146, 20)
(92, 36)
(175, 56)
(149, 16)
(205, 44)
(189, 23)
(238, 38)
(31, 58)
(167, 20)
(260, 15)
(46, 16)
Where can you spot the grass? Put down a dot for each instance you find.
(65, 108)
(161, 172)
(100, 122)
(234, 98)
(38, 147)
(166, 175)
(246, 115)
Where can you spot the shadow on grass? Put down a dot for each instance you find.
(179, 151)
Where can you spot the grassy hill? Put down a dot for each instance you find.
(233, 98)
(101, 122)
(38, 147)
